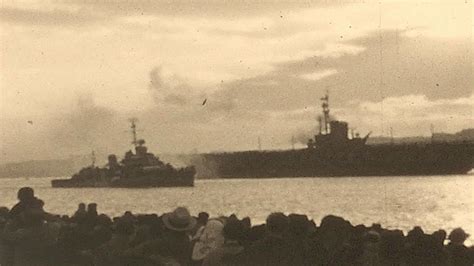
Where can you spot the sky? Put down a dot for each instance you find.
(218, 75)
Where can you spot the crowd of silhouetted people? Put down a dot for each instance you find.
(31, 236)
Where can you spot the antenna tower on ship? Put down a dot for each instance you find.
(134, 131)
(320, 123)
(93, 158)
(325, 106)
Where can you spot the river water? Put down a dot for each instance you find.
(395, 202)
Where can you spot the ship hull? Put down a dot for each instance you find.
(184, 179)
(381, 160)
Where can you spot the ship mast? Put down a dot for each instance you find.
(325, 106)
(134, 131)
(93, 159)
(320, 123)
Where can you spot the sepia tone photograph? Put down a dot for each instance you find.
(236, 132)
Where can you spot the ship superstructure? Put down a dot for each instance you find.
(139, 169)
(334, 134)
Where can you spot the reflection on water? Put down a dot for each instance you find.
(397, 202)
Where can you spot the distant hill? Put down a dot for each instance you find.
(43, 168)
(38, 168)
(464, 135)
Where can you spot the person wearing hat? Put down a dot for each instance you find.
(210, 239)
(231, 252)
(458, 252)
(274, 248)
(26, 200)
(15, 220)
(174, 246)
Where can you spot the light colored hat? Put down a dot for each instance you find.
(179, 220)
(211, 238)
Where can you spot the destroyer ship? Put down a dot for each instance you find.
(136, 170)
(333, 152)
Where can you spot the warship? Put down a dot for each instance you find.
(141, 169)
(333, 152)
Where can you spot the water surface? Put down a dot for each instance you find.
(395, 202)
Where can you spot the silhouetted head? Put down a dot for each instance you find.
(440, 236)
(233, 230)
(104, 220)
(392, 243)
(458, 236)
(333, 231)
(202, 218)
(26, 194)
(92, 208)
(334, 223)
(359, 230)
(277, 223)
(81, 207)
(246, 222)
(415, 234)
(298, 224)
(180, 220)
(112, 158)
(376, 227)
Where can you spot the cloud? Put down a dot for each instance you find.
(390, 64)
(318, 75)
(156, 80)
(86, 12)
(418, 109)
(54, 17)
(84, 127)
(87, 125)
(226, 8)
(176, 99)
(262, 67)
(169, 88)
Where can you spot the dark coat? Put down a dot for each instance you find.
(172, 246)
(271, 250)
(32, 246)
